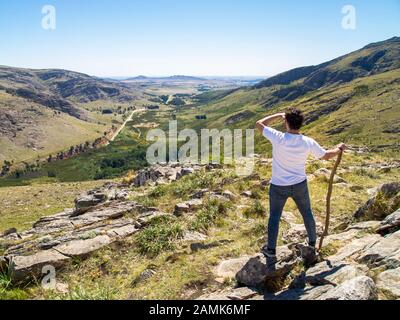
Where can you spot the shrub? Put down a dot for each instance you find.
(256, 210)
(207, 216)
(158, 236)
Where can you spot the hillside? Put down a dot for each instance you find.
(354, 98)
(45, 111)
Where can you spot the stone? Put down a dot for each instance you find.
(260, 272)
(82, 248)
(247, 194)
(187, 171)
(385, 252)
(190, 236)
(242, 293)
(146, 217)
(200, 194)
(188, 206)
(122, 232)
(289, 218)
(194, 204)
(87, 201)
(325, 174)
(229, 195)
(297, 233)
(9, 232)
(364, 226)
(308, 293)
(23, 268)
(181, 208)
(333, 273)
(354, 248)
(196, 246)
(147, 274)
(390, 224)
(229, 268)
(359, 288)
(389, 282)
(372, 210)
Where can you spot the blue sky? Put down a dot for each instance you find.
(193, 37)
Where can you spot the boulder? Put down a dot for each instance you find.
(229, 268)
(85, 202)
(386, 198)
(23, 268)
(389, 282)
(260, 272)
(390, 224)
(82, 248)
(385, 252)
(359, 288)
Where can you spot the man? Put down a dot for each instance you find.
(289, 180)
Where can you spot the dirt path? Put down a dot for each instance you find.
(124, 124)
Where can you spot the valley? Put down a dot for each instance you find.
(188, 231)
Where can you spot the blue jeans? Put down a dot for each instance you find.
(277, 199)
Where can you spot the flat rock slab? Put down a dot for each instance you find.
(22, 267)
(334, 274)
(242, 293)
(385, 252)
(82, 248)
(389, 283)
(359, 288)
(308, 293)
(123, 232)
(355, 248)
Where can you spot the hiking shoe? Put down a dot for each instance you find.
(269, 253)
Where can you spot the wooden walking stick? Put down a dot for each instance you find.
(328, 200)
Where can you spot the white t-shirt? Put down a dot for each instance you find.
(290, 152)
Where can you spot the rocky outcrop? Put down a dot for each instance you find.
(386, 200)
(359, 288)
(163, 174)
(390, 224)
(389, 283)
(55, 240)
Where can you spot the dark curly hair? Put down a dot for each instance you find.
(294, 118)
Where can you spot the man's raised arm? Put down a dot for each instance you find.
(261, 124)
(330, 154)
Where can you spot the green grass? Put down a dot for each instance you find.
(159, 236)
